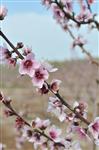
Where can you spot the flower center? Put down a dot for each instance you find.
(53, 135)
(38, 75)
(28, 63)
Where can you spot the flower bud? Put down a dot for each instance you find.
(19, 45)
(3, 12)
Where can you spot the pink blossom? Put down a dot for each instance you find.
(46, 2)
(81, 132)
(84, 15)
(67, 4)
(8, 113)
(40, 75)
(19, 123)
(48, 67)
(28, 65)
(12, 61)
(93, 128)
(58, 13)
(55, 85)
(55, 133)
(90, 1)
(56, 107)
(41, 124)
(43, 90)
(78, 41)
(3, 12)
(27, 50)
(4, 52)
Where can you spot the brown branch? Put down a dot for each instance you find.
(68, 106)
(11, 45)
(58, 95)
(9, 106)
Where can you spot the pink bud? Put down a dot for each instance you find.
(3, 12)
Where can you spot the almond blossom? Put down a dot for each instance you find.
(3, 12)
(28, 65)
(55, 133)
(58, 13)
(41, 124)
(40, 75)
(93, 128)
(56, 107)
(84, 15)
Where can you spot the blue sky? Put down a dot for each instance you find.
(31, 23)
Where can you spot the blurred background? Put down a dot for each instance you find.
(31, 23)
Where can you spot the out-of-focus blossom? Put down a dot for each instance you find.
(41, 124)
(27, 50)
(55, 133)
(55, 85)
(48, 67)
(68, 5)
(46, 2)
(19, 123)
(43, 90)
(3, 12)
(56, 107)
(58, 13)
(78, 41)
(84, 15)
(20, 140)
(90, 1)
(12, 61)
(81, 132)
(93, 128)
(81, 107)
(28, 65)
(40, 75)
(8, 113)
(4, 53)
(2, 146)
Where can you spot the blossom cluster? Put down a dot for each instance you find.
(40, 132)
(64, 11)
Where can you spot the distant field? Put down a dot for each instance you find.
(78, 83)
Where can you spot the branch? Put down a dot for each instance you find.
(57, 94)
(9, 106)
(93, 61)
(72, 17)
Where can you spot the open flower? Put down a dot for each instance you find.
(55, 133)
(3, 12)
(41, 124)
(46, 2)
(93, 128)
(56, 107)
(28, 65)
(40, 75)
